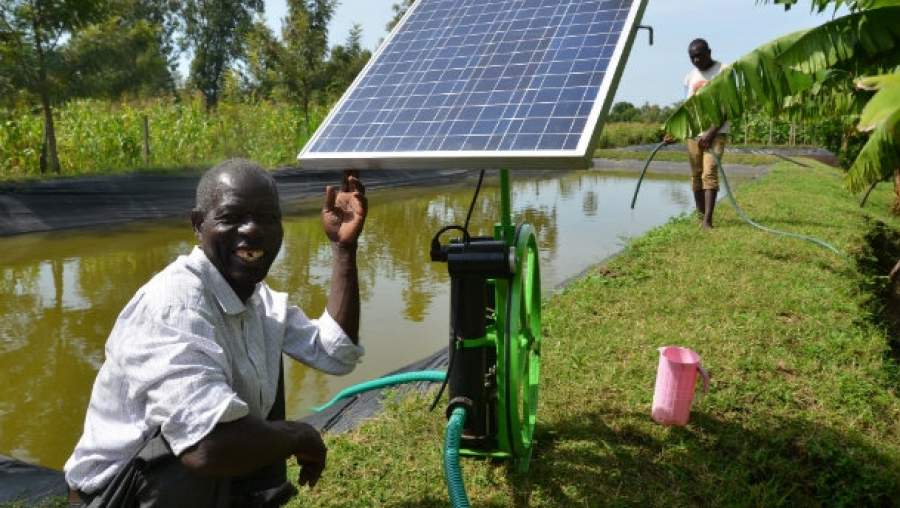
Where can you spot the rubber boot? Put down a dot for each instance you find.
(710, 206)
(700, 202)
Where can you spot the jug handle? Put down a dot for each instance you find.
(705, 375)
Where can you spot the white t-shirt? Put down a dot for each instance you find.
(697, 79)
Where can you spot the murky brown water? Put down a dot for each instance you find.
(61, 292)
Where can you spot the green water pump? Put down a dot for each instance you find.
(495, 336)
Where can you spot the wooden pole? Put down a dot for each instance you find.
(747, 129)
(146, 140)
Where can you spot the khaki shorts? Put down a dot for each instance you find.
(704, 173)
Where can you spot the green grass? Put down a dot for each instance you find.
(731, 158)
(99, 137)
(803, 409)
(53, 502)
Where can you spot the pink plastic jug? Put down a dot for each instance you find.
(676, 378)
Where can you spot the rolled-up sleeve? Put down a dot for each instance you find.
(320, 343)
(183, 375)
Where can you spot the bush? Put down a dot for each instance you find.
(621, 134)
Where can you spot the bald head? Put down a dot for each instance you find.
(237, 221)
(232, 172)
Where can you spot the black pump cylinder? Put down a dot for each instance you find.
(470, 264)
(470, 364)
(468, 296)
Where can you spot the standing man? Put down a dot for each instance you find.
(179, 408)
(704, 173)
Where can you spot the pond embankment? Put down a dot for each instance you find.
(803, 407)
(66, 203)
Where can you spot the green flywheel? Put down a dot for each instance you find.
(519, 351)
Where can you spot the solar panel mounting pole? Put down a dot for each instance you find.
(505, 208)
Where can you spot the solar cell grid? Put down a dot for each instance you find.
(481, 75)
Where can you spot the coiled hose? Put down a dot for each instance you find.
(433, 376)
(452, 473)
(734, 203)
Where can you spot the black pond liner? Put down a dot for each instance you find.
(27, 483)
(64, 203)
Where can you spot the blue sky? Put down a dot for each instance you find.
(653, 74)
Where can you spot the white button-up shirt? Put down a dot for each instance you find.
(186, 354)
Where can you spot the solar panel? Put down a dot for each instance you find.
(489, 84)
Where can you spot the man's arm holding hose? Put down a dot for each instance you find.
(706, 140)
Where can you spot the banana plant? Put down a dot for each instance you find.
(831, 68)
(880, 157)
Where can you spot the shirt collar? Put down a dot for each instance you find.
(216, 284)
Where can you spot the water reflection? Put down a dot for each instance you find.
(60, 292)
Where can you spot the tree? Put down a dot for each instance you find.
(652, 113)
(10, 82)
(214, 30)
(30, 34)
(301, 59)
(623, 112)
(400, 9)
(259, 75)
(116, 57)
(163, 15)
(815, 71)
(345, 62)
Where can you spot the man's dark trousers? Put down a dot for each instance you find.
(155, 478)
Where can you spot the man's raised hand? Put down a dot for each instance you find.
(344, 212)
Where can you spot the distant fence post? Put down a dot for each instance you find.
(146, 140)
(746, 129)
(792, 138)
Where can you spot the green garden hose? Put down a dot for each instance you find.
(750, 221)
(433, 376)
(734, 203)
(452, 473)
(644, 172)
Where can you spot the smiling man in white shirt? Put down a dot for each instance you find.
(180, 405)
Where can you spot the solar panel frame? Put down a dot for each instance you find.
(578, 157)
